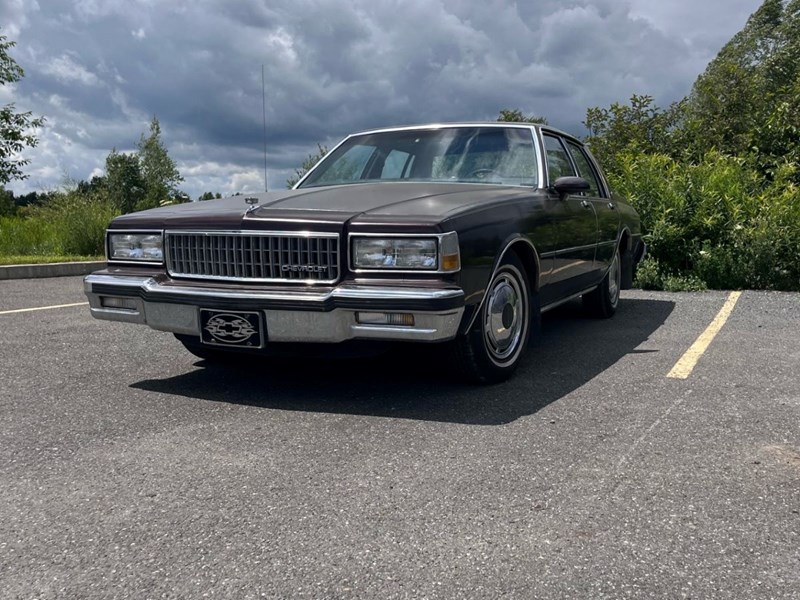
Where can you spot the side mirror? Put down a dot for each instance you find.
(566, 186)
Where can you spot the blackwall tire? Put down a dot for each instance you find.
(206, 353)
(491, 351)
(603, 301)
(628, 271)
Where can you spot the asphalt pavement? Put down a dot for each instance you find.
(131, 469)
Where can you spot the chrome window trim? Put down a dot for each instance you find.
(147, 263)
(439, 237)
(250, 233)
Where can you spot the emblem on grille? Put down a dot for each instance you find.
(304, 268)
(230, 329)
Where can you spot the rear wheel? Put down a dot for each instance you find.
(603, 301)
(490, 352)
(628, 271)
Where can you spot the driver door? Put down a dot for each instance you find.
(576, 227)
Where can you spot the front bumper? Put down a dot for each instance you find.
(300, 315)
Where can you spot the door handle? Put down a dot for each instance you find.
(586, 204)
(612, 206)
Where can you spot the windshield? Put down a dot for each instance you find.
(493, 155)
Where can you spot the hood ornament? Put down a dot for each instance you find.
(252, 203)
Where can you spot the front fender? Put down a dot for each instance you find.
(479, 278)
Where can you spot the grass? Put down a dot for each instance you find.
(28, 259)
(69, 227)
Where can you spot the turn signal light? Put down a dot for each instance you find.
(451, 262)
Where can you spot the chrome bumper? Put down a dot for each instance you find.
(313, 316)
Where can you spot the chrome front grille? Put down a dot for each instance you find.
(253, 256)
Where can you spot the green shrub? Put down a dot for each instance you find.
(717, 223)
(684, 283)
(648, 275)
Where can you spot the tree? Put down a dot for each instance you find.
(515, 116)
(715, 177)
(96, 183)
(158, 170)
(124, 181)
(746, 101)
(209, 196)
(29, 199)
(641, 127)
(15, 127)
(7, 206)
(145, 179)
(311, 160)
(726, 100)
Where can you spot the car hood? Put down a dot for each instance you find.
(329, 207)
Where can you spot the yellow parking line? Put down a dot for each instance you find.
(24, 310)
(683, 368)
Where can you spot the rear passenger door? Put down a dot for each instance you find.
(605, 209)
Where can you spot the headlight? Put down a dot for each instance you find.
(145, 247)
(438, 253)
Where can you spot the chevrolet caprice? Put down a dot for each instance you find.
(451, 234)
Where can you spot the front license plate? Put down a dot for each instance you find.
(231, 328)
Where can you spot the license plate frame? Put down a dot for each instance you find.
(232, 328)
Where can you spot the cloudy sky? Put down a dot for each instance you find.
(99, 69)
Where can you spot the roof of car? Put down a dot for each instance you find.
(444, 125)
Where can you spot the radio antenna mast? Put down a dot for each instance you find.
(264, 109)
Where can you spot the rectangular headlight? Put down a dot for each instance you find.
(144, 247)
(435, 253)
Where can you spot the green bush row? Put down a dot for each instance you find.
(69, 223)
(717, 223)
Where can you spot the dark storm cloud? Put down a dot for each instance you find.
(99, 69)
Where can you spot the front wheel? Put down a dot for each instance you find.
(603, 301)
(205, 352)
(490, 352)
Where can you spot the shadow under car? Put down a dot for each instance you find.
(411, 381)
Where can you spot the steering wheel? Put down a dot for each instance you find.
(482, 173)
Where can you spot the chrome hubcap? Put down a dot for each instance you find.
(505, 317)
(614, 279)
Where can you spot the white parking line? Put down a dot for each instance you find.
(683, 368)
(24, 310)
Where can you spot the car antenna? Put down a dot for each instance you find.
(264, 110)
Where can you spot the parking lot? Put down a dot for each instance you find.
(131, 469)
